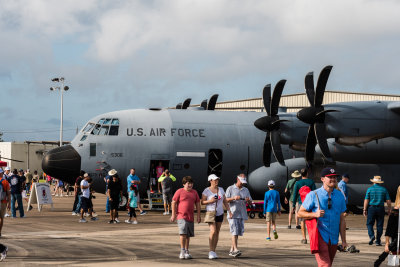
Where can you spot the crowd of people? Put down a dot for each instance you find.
(320, 212)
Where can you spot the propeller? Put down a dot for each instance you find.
(271, 123)
(315, 114)
(212, 102)
(186, 103)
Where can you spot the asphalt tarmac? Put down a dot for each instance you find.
(55, 238)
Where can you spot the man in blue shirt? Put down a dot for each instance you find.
(343, 186)
(272, 206)
(327, 205)
(16, 184)
(374, 208)
(134, 179)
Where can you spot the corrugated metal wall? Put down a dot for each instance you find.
(297, 101)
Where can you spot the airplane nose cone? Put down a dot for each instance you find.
(62, 163)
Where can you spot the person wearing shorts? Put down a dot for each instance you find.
(5, 198)
(167, 180)
(85, 202)
(289, 199)
(272, 206)
(183, 204)
(115, 193)
(214, 199)
(237, 196)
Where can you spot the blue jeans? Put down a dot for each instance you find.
(375, 214)
(78, 206)
(18, 198)
(108, 205)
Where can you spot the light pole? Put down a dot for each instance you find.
(61, 89)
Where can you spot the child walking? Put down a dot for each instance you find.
(132, 202)
(272, 206)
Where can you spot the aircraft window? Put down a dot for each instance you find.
(96, 129)
(113, 130)
(115, 122)
(101, 121)
(103, 130)
(107, 122)
(92, 149)
(88, 127)
(83, 138)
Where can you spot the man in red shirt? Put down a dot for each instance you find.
(5, 197)
(183, 210)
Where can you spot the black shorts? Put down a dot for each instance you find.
(85, 203)
(114, 204)
(219, 218)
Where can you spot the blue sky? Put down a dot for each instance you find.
(137, 54)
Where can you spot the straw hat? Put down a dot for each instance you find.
(296, 174)
(377, 180)
(112, 172)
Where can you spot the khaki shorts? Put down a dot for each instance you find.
(186, 228)
(3, 208)
(271, 217)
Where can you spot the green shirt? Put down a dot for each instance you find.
(296, 196)
(290, 187)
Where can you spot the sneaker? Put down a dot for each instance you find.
(82, 221)
(268, 239)
(304, 241)
(152, 191)
(298, 227)
(111, 221)
(371, 241)
(116, 220)
(143, 212)
(93, 219)
(74, 213)
(230, 253)
(86, 214)
(182, 255)
(187, 255)
(289, 227)
(6, 215)
(128, 221)
(94, 214)
(275, 235)
(212, 255)
(4, 254)
(135, 222)
(236, 253)
(165, 213)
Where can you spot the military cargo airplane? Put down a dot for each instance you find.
(200, 141)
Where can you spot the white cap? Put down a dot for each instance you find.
(86, 175)
(212, 177)
(271, 183)
(243, 180)
(7, 169)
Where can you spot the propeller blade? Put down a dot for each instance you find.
(276, 97)
(212, 102)
(11, 159)
(204, 104)
(320, 134)
(309, 86)
(267, 98)
(276, 147)
(186, 103)
(310, 144)
(267, 151)
(321, 85)
(179, 106)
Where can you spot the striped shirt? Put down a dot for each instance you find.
(377, 195)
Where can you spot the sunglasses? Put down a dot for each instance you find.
(329, 203)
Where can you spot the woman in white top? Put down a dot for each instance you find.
(214, 199)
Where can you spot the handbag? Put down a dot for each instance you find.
(210, 215)
(393, 260)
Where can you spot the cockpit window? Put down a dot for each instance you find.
(96, 129)
(88, 127)
(105, 126)
(103, 130)
(83, 138)
(113, 130)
